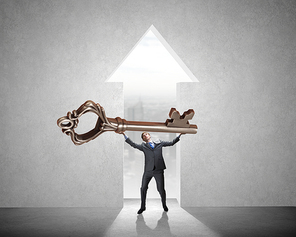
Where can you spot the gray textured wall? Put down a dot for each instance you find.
(57, 54)
(245, 150)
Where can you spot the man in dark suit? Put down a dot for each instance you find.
(154, 166)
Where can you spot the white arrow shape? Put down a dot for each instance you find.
(152, 67)
(149, 74)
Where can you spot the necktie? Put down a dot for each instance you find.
(151, 145)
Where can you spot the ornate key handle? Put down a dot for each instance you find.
(177, 124)
(70, 122)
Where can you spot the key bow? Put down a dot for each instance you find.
(70, 122)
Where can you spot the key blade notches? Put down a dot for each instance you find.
(178, 120)
(177, 123)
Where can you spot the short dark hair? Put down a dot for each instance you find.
(143, 134)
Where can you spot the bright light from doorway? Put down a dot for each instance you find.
(149, 74)
(151, 68)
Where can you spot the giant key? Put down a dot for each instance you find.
(176, 124)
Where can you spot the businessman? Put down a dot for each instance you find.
(154, 166)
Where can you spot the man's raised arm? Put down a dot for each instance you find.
(131, 143)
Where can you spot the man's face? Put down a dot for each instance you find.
(146, 137)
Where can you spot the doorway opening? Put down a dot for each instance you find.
(149, 74)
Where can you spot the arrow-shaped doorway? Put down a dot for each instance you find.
(150, 73)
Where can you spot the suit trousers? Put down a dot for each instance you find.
(159, 178)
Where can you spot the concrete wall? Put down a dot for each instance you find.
(244, 152)
(51, 63)
(55, 55)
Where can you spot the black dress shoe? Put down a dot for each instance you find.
(141, 210)
(165, 208)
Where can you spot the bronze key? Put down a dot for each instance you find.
(176, 124)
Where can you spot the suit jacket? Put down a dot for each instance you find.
(153, 157)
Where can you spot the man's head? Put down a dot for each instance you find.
(145, 136)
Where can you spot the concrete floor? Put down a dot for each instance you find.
(197, 221)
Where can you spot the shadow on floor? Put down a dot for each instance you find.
(163, 227)
(154, 222)
(47, 222)
(247, 221)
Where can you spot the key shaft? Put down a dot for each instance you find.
(123, 125)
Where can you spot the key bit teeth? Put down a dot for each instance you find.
(174, 114)
(188, 115)
(178, 120)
